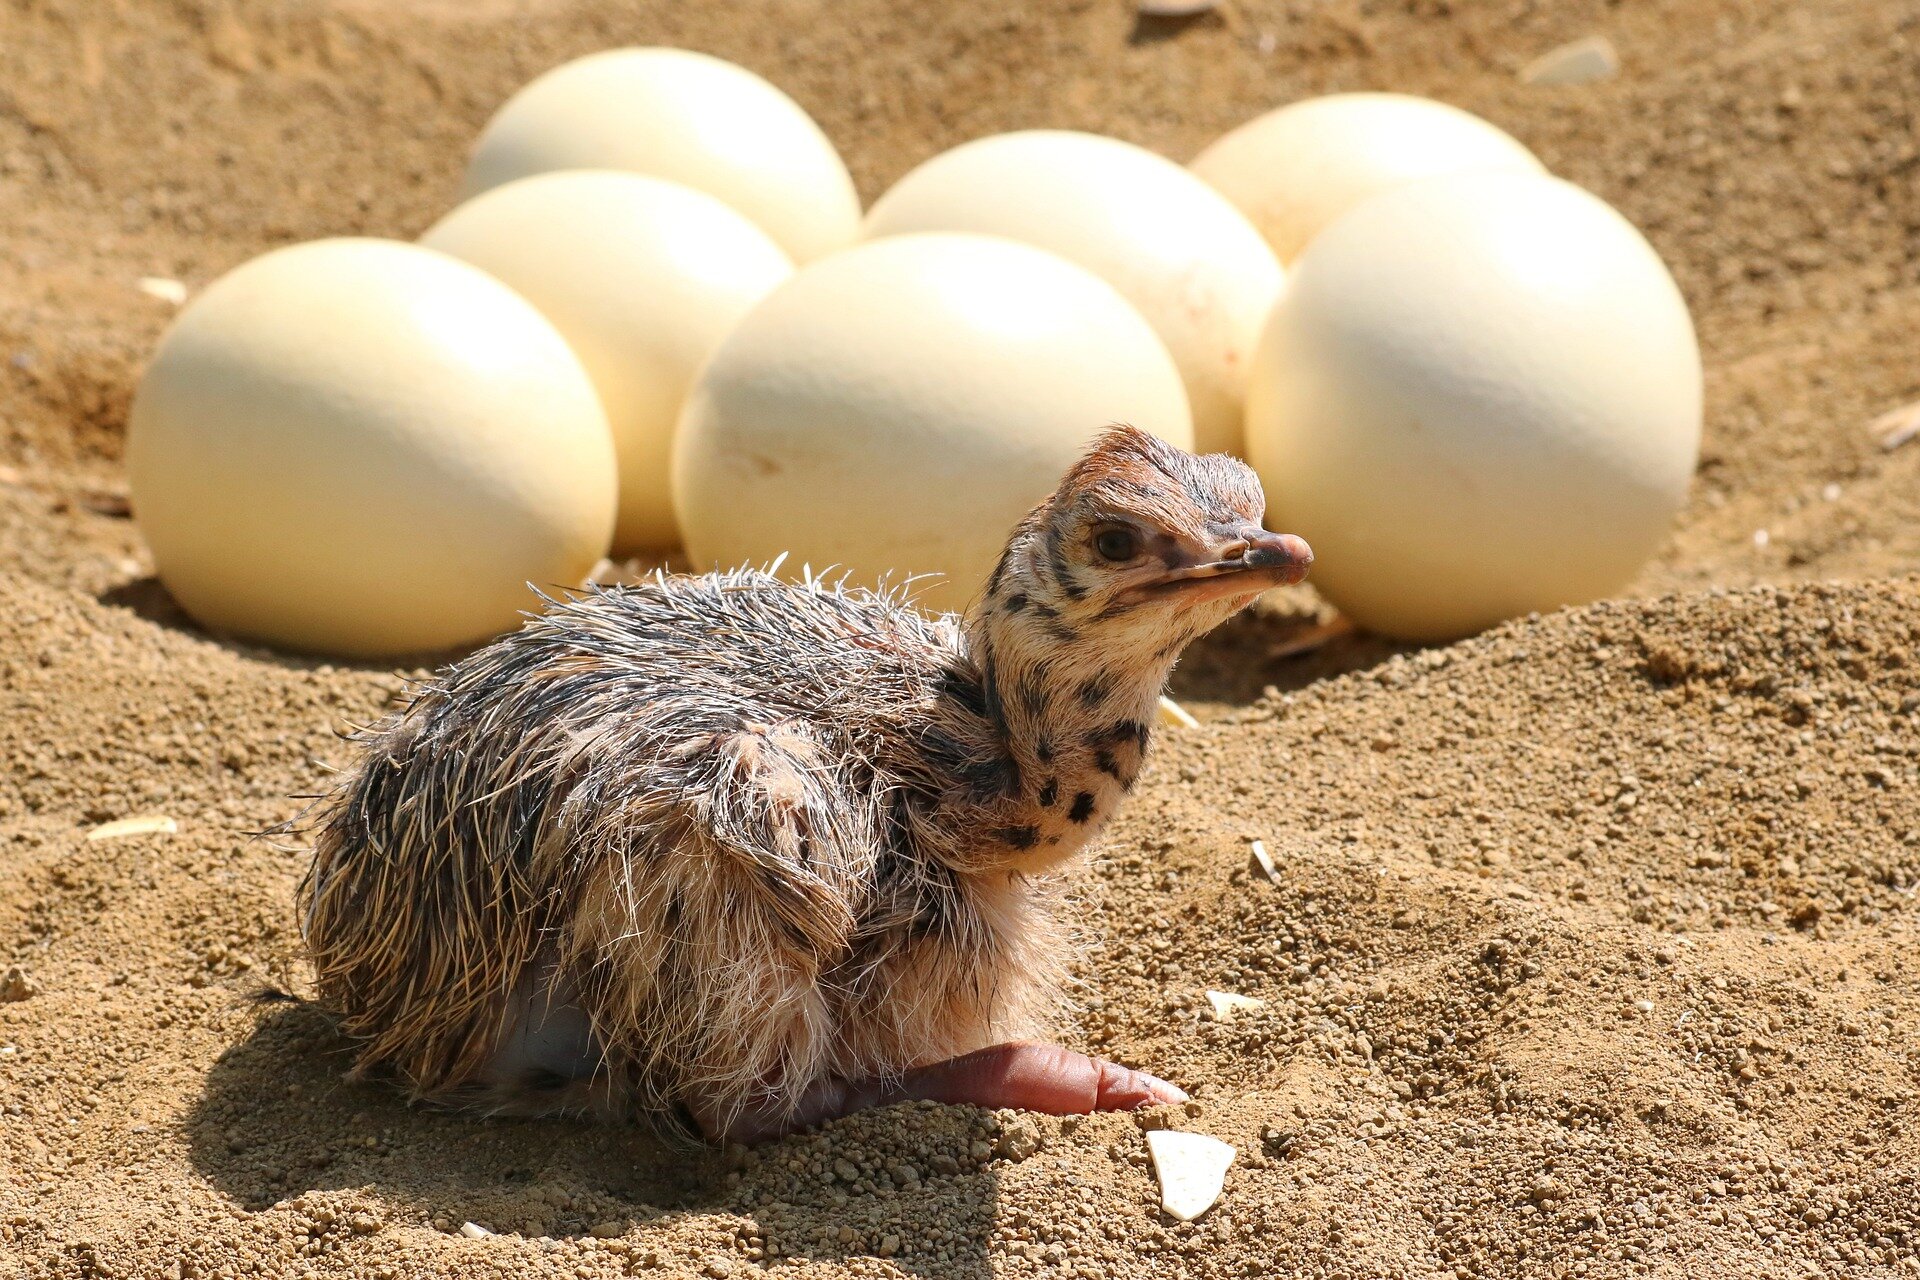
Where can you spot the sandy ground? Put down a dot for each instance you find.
(1592, 948)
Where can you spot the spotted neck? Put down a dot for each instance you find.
(1069, 712)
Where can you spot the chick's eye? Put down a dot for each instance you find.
(1115, 544)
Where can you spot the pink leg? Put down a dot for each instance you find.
(1025, 1075)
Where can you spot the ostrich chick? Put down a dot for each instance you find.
(751, 855)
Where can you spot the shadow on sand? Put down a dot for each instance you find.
(1154, 28)
(277, 1119)
(148, 597)
(1273, 648)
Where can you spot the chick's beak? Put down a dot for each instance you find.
(1248, 560)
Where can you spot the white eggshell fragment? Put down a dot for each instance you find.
(1173, 246)
(896, 408)
(686, 117)
(643, 278)
(1480, 397)
(1228, 1005)
(164, 288)
(1261, 863)
(1191, 1168)
(367, 448)
(1295, 169)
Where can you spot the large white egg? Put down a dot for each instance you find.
(367, 448)
(687, 117)
(896, 408)
(1295, 169)
(1173, 246)
(1480, 396)
(643, 277)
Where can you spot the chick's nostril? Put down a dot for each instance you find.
(1280, 550)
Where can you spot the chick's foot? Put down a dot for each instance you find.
(1024, 1075)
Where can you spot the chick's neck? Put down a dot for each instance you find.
(1069, 704)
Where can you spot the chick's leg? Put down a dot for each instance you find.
(1022, 1075)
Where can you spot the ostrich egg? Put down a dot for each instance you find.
(367, 448)
(896, 408)
(643, 277)
(1479, 397)
(1295, 169)
(1174, 247)
(686, 117)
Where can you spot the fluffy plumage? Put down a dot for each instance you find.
(695, 846)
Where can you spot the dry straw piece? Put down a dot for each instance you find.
(144, 824)
(1175, 716)
(1175, 8)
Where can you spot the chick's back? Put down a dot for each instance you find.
(676, 799)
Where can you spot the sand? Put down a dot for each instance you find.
(1589, 952)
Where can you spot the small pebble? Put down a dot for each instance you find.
(15, 986)
(1019, 1139)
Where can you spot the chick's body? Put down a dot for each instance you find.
(708, 809)
(758, 853)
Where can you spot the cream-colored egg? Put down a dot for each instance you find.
(1295, 169)
(687, 117)
(896, 408)
(643, 277)
(1173, 246)
(367, 448)
(1480, 397)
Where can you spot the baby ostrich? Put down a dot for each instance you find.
(753, 855)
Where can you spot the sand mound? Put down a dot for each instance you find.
(1589, 946)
